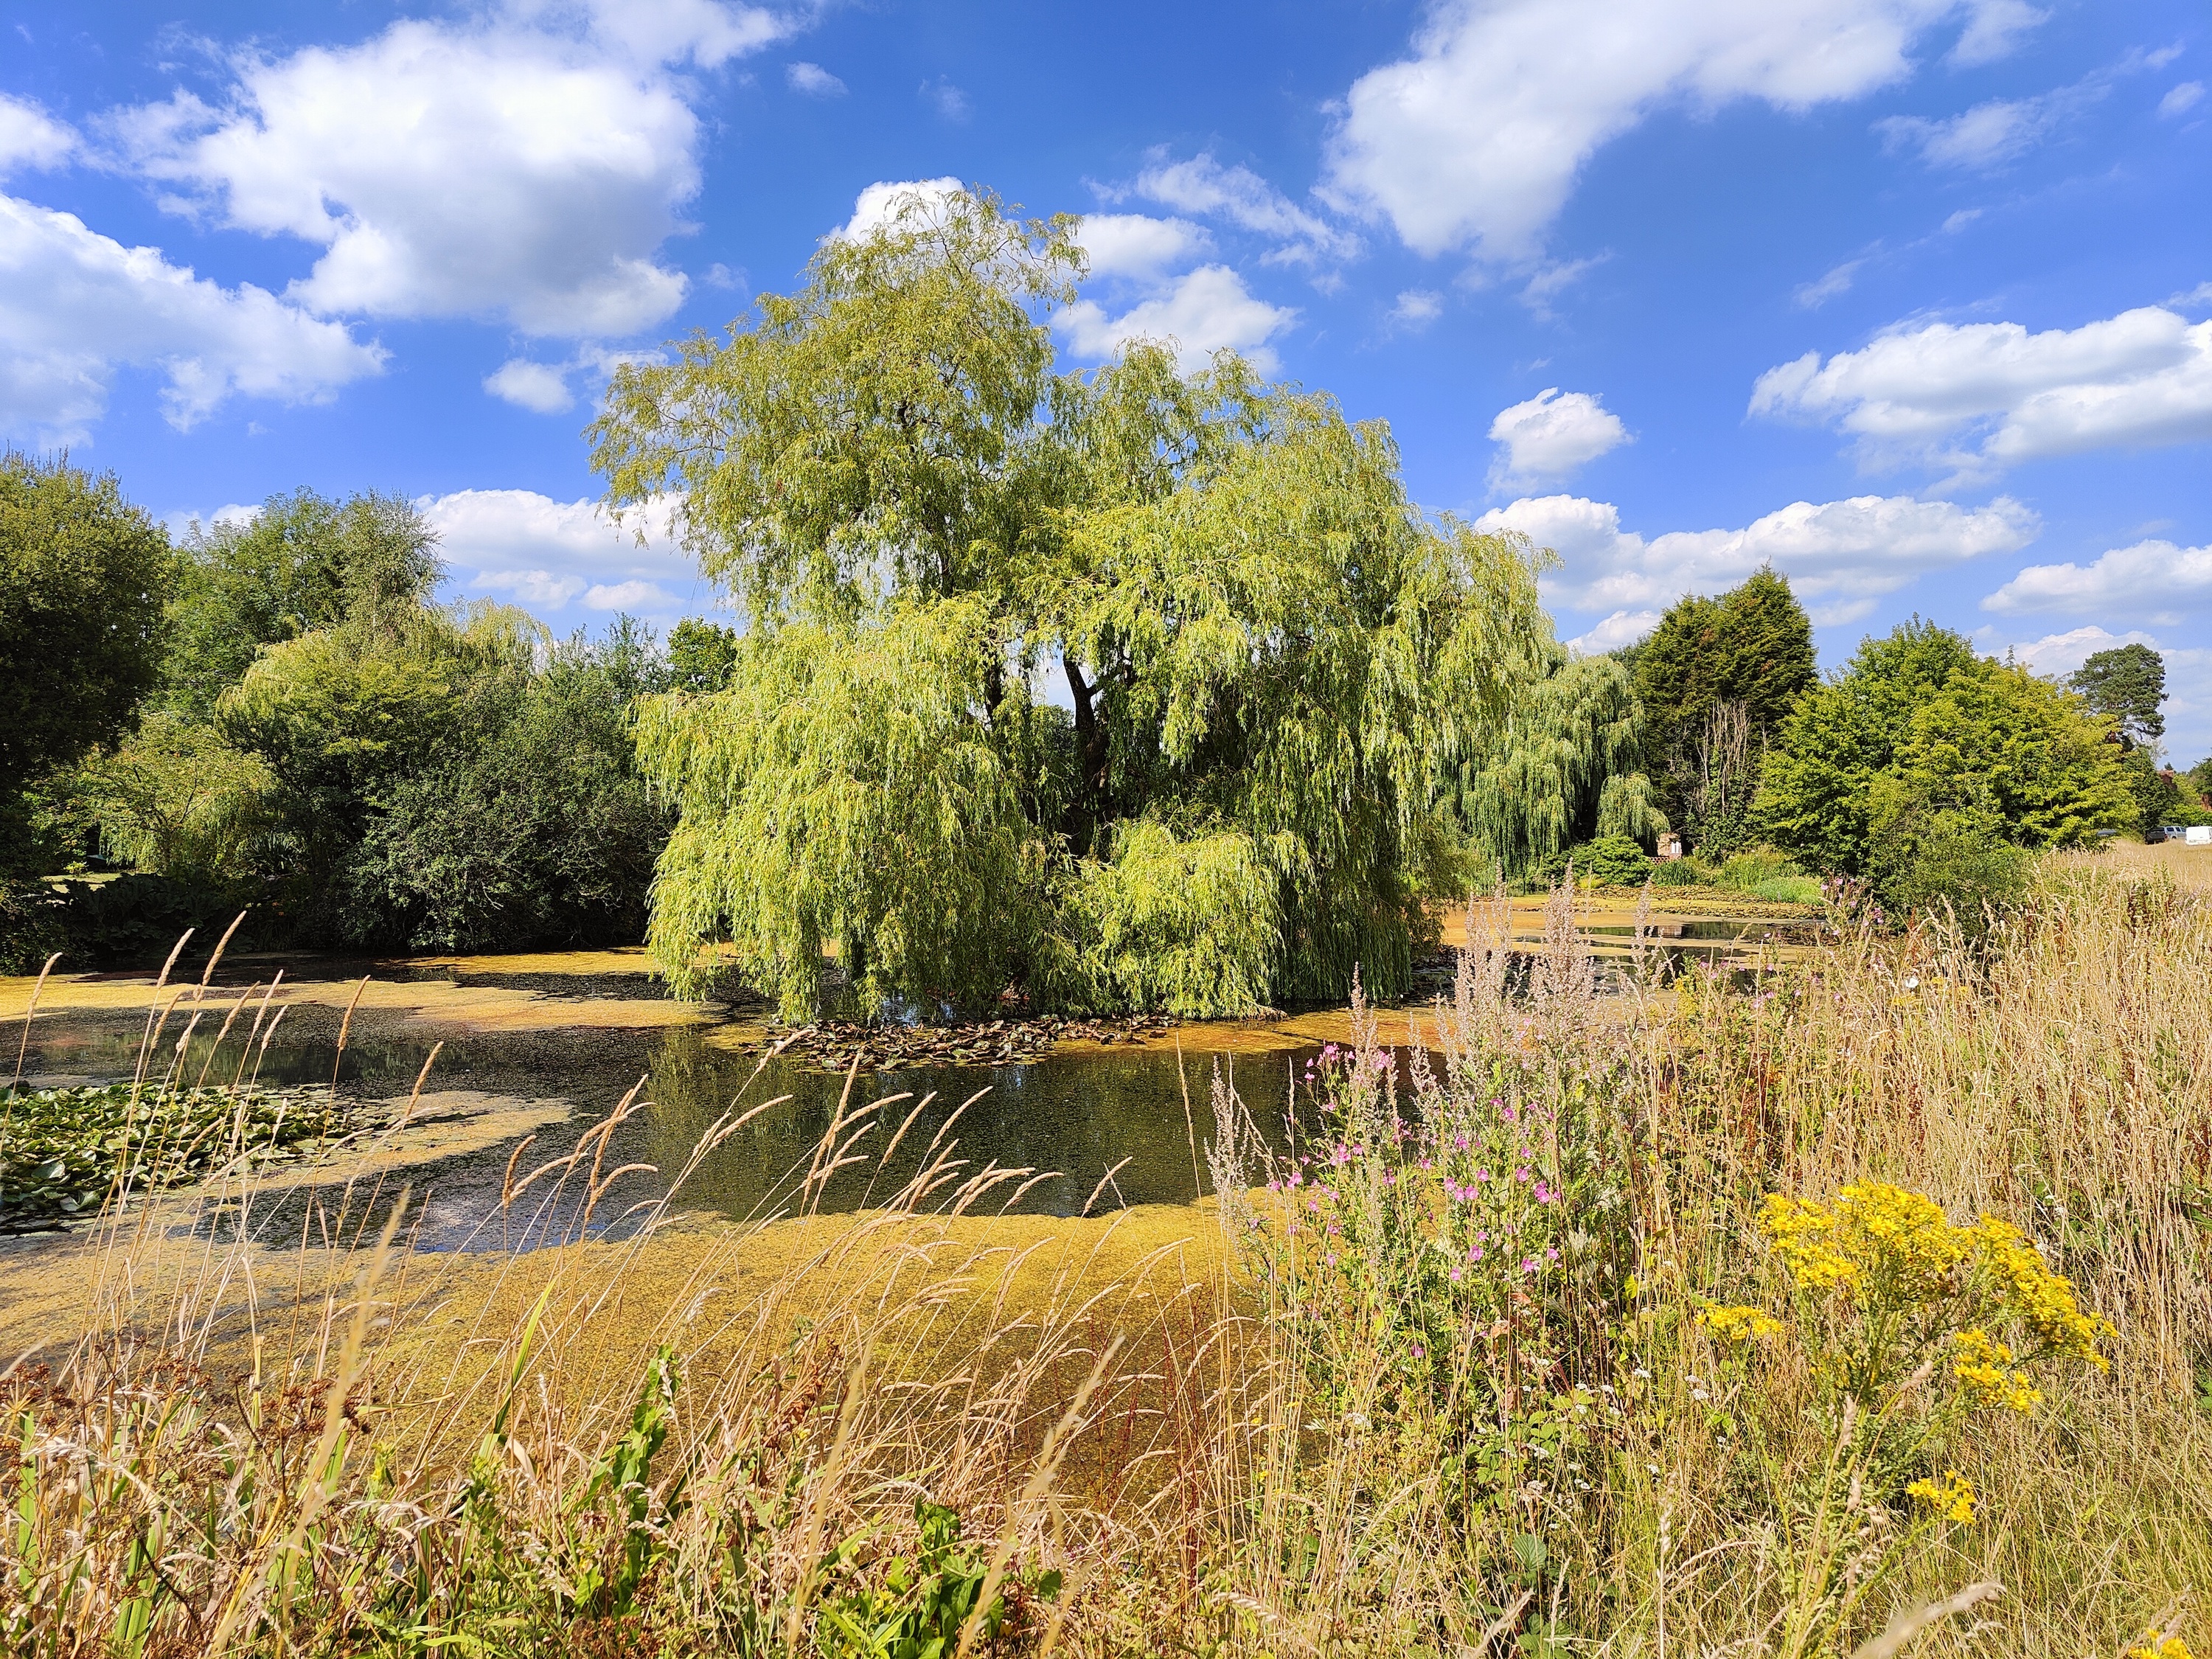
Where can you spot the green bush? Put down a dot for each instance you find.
(1612, 861)
(1676, 872)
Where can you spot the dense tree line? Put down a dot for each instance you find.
(1134, 688)
(274, 713)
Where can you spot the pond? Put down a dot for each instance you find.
(534, 1052)
(1101, 1129)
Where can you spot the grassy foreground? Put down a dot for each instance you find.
(1862, 1310)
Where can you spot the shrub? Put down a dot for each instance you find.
(1612, 861)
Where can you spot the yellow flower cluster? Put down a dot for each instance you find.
(1952, 1497)
(1738, 1324)
(2156, 1644)
(2040, 1299)
(1984, 1369)
(1897, 1249)
(1875, 1237)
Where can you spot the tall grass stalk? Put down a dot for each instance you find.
(1496, 1358)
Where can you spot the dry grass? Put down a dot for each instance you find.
(278, 1448)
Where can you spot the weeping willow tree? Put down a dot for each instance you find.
(1561, 768)
(1274, 665)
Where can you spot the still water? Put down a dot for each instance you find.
(1101, 1130)
(1088, 1130)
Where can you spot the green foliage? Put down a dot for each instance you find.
(63, 1150)
(700, 655)
(1751, 647)
(302, 564)
(1187, 924)
(528, 823)
(2127, 682)
(845, 790)
(1923, 753)
(1284, 642)
(922, 1602)
(174, 799)
(83, 574)
(881, 427)
(1557, 769)
(2199, 777)
(1267, 648)
(1612, 861)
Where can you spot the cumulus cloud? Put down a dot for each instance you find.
(1989, 134)
(542, 388)
(813, 80)
(524, 167)
(548, 555)
(1841, 555)
(1552, 434)
(30, 138)
(75, 306)
(1200, 312)
(1474, 141)
(1202, 186)
(1138, 244)
(2155, 581)
(1621, 628)
(2057, 655)
(2188, 671)
(1416, 308)
(2141, 378)
(880, 202)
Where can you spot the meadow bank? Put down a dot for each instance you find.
(1746, 1323)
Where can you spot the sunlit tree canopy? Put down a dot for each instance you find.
(1128, 687)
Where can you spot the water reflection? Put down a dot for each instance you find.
(1100, 1130)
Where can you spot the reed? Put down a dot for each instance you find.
(1507, 1354)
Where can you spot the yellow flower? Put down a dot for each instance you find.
(1952, 1496)
(2040, 1299)
(1874, 1236)
(1984, 1367)
(2158, 1645)
(1801, 1233)
(1745, 1325)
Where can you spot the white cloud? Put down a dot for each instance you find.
(1553, 434)
(1202, 312)
(1621, 628)
(1417, 307)
(2141, 378)
(548, 554)
(2155, 581)
(813, 81)
(2058, 654)
(880, 203)
(2183, 99)
(30, 138)
(1994, 31)
(947, 100)
(1838, 280)
(75, 306)
(1989, 134)
(525, 166)
(1474, 141)
(1241, 196)
(1842, 555)
(633, 596)
(540, 387)
(1138, 244)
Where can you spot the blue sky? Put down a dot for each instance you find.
(1912, 298)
